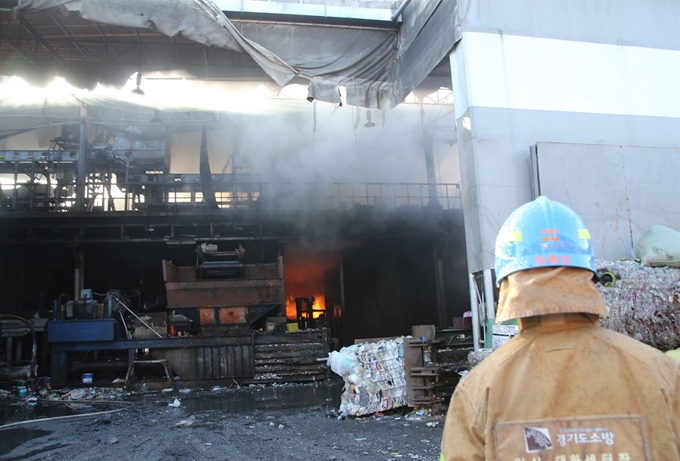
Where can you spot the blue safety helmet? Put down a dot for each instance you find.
(543, 233)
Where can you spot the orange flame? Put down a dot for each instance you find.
(304, 277)
(318, 308)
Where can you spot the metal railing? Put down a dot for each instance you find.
(310, 196)
(100, 194)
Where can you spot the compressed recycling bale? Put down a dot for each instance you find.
(374, 375)
(475, 357)
(643, 302)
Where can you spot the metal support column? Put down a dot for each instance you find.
(429, 166)
(442, 321)
(489, 298)
(81, 173)
(59, 369)
(15, 193)
(79, 272)
(474, 309)
(342, 286)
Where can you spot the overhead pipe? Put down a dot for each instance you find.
(400, 10)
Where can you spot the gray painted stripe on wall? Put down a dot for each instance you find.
(652, 24)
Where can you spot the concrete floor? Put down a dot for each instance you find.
(285, 422)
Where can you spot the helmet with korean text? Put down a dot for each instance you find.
(545, 263)
(543, 233)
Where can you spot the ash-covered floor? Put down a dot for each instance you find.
(273, 423)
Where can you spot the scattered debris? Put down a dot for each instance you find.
(370, 437)
(176, 403)
(184, 423)
(76, 394)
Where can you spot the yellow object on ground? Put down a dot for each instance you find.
(675, 355)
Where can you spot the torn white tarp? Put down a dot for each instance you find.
(644, 302)
(197, 20)
(363, 60)
(374, 374)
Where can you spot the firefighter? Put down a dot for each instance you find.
(563, 389)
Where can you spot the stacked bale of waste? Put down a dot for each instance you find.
(643, 296)
(374, 375)
(643, 302)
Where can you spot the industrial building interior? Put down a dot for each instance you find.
(184, 213)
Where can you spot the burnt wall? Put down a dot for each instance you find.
(389, 286)
(134, 268)
(389, 265)
(32, 276)
(452, 253)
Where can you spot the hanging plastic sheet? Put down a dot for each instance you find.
(362, 60)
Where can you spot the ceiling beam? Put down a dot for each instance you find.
(108, 42)
(73, 41)
(39, 39)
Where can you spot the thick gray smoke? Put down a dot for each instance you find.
(324, 145)
(254, 130)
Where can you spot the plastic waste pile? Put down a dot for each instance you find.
(643, 302)
(374, 375)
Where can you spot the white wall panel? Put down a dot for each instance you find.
(619, 191)
(515, 72)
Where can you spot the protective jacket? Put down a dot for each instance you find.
(565, 389)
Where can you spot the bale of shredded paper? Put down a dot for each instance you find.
(644, 302)
(502, 334)
(374, 374)
(477, 356)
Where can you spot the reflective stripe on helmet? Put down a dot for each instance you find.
(543, 233)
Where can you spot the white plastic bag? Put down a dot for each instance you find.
(659, 246)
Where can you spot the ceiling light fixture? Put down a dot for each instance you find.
(369, 123)
(138, 90)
